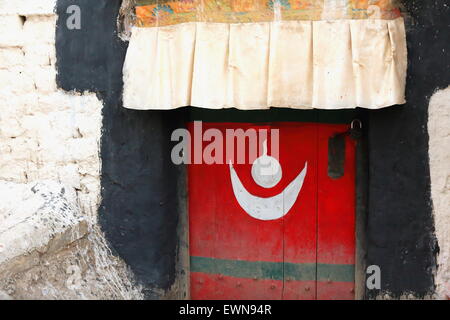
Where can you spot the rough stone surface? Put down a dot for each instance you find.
(50, 247)
(439, 132)
(48, 250)
(33, 215)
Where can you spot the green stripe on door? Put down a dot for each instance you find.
(274, 270)
(335, 272)
(299, 271)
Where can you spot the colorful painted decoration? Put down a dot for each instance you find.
(266, 170)
(153, 13)
(270, 208)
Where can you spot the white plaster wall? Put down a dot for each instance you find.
(439, 149)
(44, 133)
(48, 135)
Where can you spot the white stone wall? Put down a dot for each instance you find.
(44, 133)
(48, 138)
(439, 149)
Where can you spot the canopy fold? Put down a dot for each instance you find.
(254, 54)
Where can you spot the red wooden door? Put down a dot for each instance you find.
(307, 253)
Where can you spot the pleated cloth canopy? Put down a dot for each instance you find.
(257, 54)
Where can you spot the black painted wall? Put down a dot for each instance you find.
(400, 223)
(141, 200)
(140, 196)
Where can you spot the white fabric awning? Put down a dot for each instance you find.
(340, 63)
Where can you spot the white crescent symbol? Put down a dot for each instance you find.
(271, 208)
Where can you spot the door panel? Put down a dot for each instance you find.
(235, 256)
(244, 255)
(298, 146)
(336, 221)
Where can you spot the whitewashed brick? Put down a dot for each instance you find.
(27, 7)
(90, 184)
(439, 152)
(11, 128)
(69, 176)
(16, 81)
(55, 101)
(38, 54)
(11, 27)
(22, 148)
(11, 57)
(44, 79)
(36, 125)
(83, 149)
(13, 171)
(88, 125)
(39, 29)
(25, 104)
(51, 151)
(64, 123)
